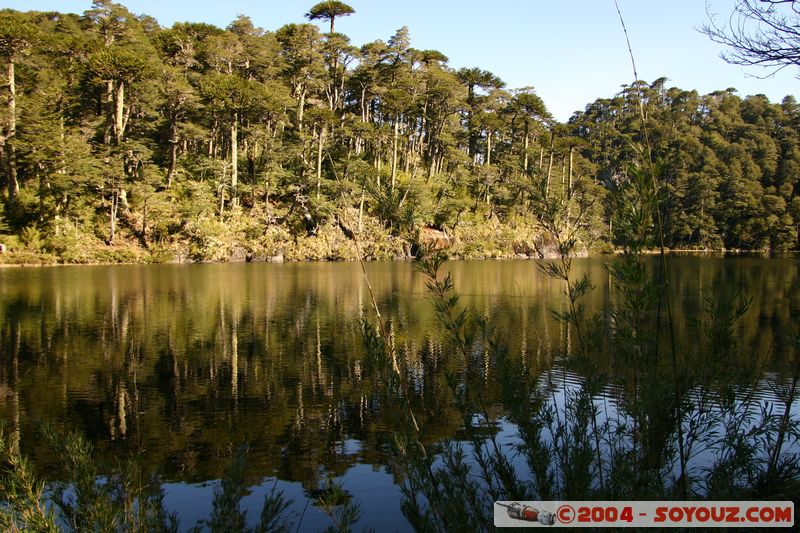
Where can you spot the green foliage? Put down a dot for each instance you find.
(329, 10)
(211, 239)
(226, 515)
(31, 238)
(486, 239)
(24, 507)
(117, 64)
(338, 504)
(16, 34)
(123, 500)
(720, 164)
(92, 497)
(134, 140)
(70, 243)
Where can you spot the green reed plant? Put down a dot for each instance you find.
(90, 496)
(91, 499)
(85, 501)
(340, 507)
(22, 502)
(226, 513)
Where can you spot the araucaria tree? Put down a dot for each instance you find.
(329, 10)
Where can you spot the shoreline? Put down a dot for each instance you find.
(517, 257)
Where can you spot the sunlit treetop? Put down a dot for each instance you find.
(329, 10)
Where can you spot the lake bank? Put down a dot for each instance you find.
(28, 259)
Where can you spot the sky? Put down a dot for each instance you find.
(570, 52)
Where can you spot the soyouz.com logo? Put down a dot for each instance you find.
(619, 514)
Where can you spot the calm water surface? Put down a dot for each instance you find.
(177, 365)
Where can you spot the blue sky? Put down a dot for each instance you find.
(571, 52)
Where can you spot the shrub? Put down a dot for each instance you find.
(210, 239)
(31, 238)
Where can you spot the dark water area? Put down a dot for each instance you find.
(177, 365)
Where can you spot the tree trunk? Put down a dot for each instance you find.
(569, 186)
(173, 151)
(234, 154)
(251, 149)
(300, 109)
(525, 149)
(222, 192)
(394, 151)
(40, 174)
(569, 180)
(488, 148)
(364, 106)
(432, 165)
(113, 213)
(145, 212)
(361, 211)
(333, 102)
(549, 171)
(119, 112)
(212, 148)
(107, 104)
(409, 147)
(320, 140)
(10, 151)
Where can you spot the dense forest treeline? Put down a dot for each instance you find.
(121, 140)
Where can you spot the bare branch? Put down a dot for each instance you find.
(763, 33)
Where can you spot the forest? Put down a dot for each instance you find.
(125, 141)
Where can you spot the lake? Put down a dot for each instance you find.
(177, 365)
